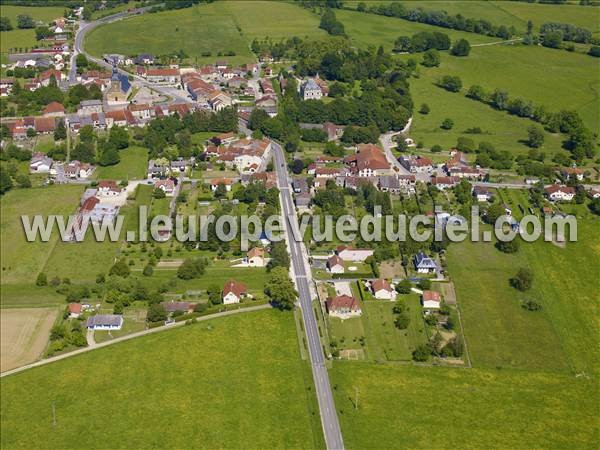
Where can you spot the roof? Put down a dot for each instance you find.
(109, 184)
(74, 308)
(105, 320)
(444, 180)
(422, 260)
(45, 124)
(162, 72)
(341, 248)
(256, 251)
(371, 157)
(558, 188)
(175, 306)
(381, 284)
(89, 204)
(431, 296)
(343, 302)
(335, 260)
(54, 107)
(234, 286)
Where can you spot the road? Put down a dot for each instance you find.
(97, 345)
(302, 278)
(83, 29)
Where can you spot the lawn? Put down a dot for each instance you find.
(22, 260)
(499, 333)
(370, 29)
(234, 382)
(133, 166)
(202, 28)
(414, 407)
(24, 38)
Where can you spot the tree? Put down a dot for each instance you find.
(451, 83)
(220, 191)
(404, 287)
(5, 24)
(158, 193)
(431, 58)
(81, 61)
(25, 21)
(110, 156)
(120, 269)
(535, 136)
(23, 181)
(119, 137)
(447, 124)
(424, 109)
(422, 353)
(41, 280)
(192, 268)
(148, 270)
(156, 313)
(552, 39)
(60, 132)
(508, 246)
(594, 206)
(280, 289)
(523, 280)
(493, 213)
(214, 294)
(31, 132)
(402, 321)
(279, 256)
(595, 51)
(461, 48)
(5, 181)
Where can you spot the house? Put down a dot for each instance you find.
(142, 111)
(343, 306)
(594, 193)
(256, 257)
(382, 289)
(87, 107)
(302, 200)
(156, 170)
(443, 183)
(40, 163)
(44, 78)
(335, 264)
(465, 172)
(407, 182)
(108, 188)
(172, 306)
(170, 76)
(353, 254)
(227, 182)
(334, 132)
(44, 125)
(54, 109)
(482, 194)
(431, 300)
(233, 292)
(418, 164)
(557, 192)
(457, 160)
(219, 100)
(569, 173)
(167, 186)
(105, 322)
(389, 184)
(74, 310)
(310, 90)
(424, 264)
(300, 185)
(119, 89)
(368, 161)
(144, 59)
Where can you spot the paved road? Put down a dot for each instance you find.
(302, 275)
(85, 27)
(131, 336)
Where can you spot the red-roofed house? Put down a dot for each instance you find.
(44, 125)
(54, 109)
(382, 289)
(233, 292)
(167, 186)
(335, 264)
(74, 310)
(431, 299)
(556, 192)
(343, 306)
(256, 257)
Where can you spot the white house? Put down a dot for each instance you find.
(431, 300)
(382, 289)
(233, 292)
(424, 264)
(105, 322)
(310, 90)
(256, 257)
(167, 186)
(335, 264)
(108, 189)
(557, 192)
(353, 254)
(343, 307)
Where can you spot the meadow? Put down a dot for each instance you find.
(133, 166)
(401, 406)
(24, 38)
(234, 382)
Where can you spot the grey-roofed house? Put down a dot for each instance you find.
(144, 58)
(389, 184)
(89, 106)
(156, 170)
(424, 264)
(302, 200)
(310, 90)
(105, 322)
(300, 185)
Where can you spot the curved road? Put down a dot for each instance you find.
(84, 27)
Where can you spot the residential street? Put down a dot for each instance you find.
(302, 278)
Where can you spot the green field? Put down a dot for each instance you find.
(414, 407)
(235, 382)
(24, 38)
(370, 29)
(22, 260)
(133, 166)
(499, 333)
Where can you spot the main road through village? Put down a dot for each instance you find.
(329, 418)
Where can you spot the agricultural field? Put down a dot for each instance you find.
(436, 407)
(234, 382)
(22, 260)
(24, 335)
(17, 38)
(133, 166)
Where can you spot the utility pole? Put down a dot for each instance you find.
(356, 399)
(53, 414)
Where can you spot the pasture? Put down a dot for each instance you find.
(24, 335)
(500, 333)
(22, 260)
(234, 382)
(436, 407)
(133, 166)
